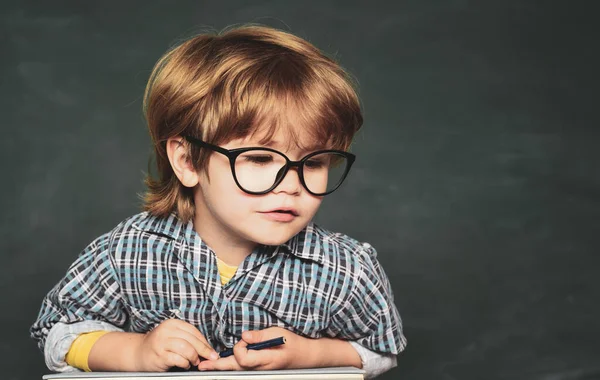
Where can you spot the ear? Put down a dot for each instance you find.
(180, 161)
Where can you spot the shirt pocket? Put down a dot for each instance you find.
(144, 320)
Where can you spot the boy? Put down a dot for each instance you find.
(251, 130)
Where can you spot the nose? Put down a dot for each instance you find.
(290, 183)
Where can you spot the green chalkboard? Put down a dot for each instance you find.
(477, 177)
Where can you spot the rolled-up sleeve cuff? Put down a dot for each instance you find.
(374, 363)
(60, 338)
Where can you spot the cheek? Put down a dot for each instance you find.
(229, 198)
(311, 205)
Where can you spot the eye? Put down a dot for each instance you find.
(315, 163)
(258, 158)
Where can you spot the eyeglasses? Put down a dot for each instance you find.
(258, 171)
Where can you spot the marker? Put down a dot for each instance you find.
(256, 346)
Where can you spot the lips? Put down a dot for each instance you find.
(284, 210)
(283, 214)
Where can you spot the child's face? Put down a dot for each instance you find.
(224, 211)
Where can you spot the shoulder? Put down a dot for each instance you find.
(364, 273)
(352, 265)
(335, 249)
(134, 234)
(342, 244)
(145, 223)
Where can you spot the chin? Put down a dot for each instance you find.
(273, 240)
(274, 237)
(274, 234)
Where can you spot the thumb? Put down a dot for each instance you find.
(255, 336)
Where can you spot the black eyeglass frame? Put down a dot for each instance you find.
(232, 155)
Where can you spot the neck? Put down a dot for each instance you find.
(227, 247)
(230, 252)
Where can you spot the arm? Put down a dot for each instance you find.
(174, 343)
(301, 352)
(368, 318)
(87, 299)
(297, 352)
(115, 351)
(330, 352)
(333, 352)
(60, 339)
(374, 363)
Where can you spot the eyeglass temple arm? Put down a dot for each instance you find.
(204, 144)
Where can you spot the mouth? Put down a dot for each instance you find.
(283, 211)
(289, 211)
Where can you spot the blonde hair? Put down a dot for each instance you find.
(231, 85)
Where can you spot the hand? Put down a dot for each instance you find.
(174, 343)
(295, 353)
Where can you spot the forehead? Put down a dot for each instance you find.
(280, 139)
(287, 128)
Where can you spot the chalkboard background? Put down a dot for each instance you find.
(477, 175)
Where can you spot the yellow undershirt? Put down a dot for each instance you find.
(82, 346)
(226, 271)
(80, 350)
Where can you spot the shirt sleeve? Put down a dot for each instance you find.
(369, 316)
(374, 363)
(87, 299)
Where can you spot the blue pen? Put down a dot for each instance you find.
(256, 346)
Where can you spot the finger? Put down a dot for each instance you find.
(191, 329)
(247, 359)
(202, 347)
(256, 336)
(252, 336)
(195, 337)
(173, 359)
(177, 324)
(223, 364)
(182, 348)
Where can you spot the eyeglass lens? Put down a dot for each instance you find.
(258, 170)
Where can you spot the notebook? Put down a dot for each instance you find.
(333, 373)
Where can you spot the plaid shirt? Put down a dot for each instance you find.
(149, 269)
